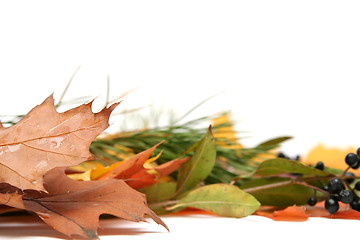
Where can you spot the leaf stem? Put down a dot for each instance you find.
(345, 171)
(163, 204)
(282, 184)
(300, 181)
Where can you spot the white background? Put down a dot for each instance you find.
(281, 67)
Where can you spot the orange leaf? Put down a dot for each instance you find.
(45, 139)
(293, 213)
(348, 214)
(171, 166)
(143, 178)
(131, 166)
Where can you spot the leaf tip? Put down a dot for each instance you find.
(157, 220)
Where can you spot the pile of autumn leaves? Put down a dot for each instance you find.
(36, 153)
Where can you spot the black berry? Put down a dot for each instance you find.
(335, 185)
(351, 159)
(312, 201)
(331, 206)
(346, 196)
(335, 197)
(355, 205)
(357, 186)
(320, 165)
(349, 180)
(358, 151)
(356, 165)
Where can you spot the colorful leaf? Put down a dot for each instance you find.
(146, 177)
(131, 166)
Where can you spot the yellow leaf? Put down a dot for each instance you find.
(94, 173)
(100, 170)
(80, 176)
(150, 160)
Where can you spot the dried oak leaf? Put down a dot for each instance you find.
(45, 139)
(73, 207)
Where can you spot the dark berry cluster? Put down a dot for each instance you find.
(339, 189)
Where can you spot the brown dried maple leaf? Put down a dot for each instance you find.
(73, 207)
(45, 139)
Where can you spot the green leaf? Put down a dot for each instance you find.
(222, 199)
(282, 166)
(199, 166)
(334, 171)
(159, 192)
(274, 141)
(286, 195)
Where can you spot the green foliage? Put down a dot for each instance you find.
(159, 192)
(283, 182)
(277, 195)
(196, 170)
(273, 143)
(223, 199)
(283, 166)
